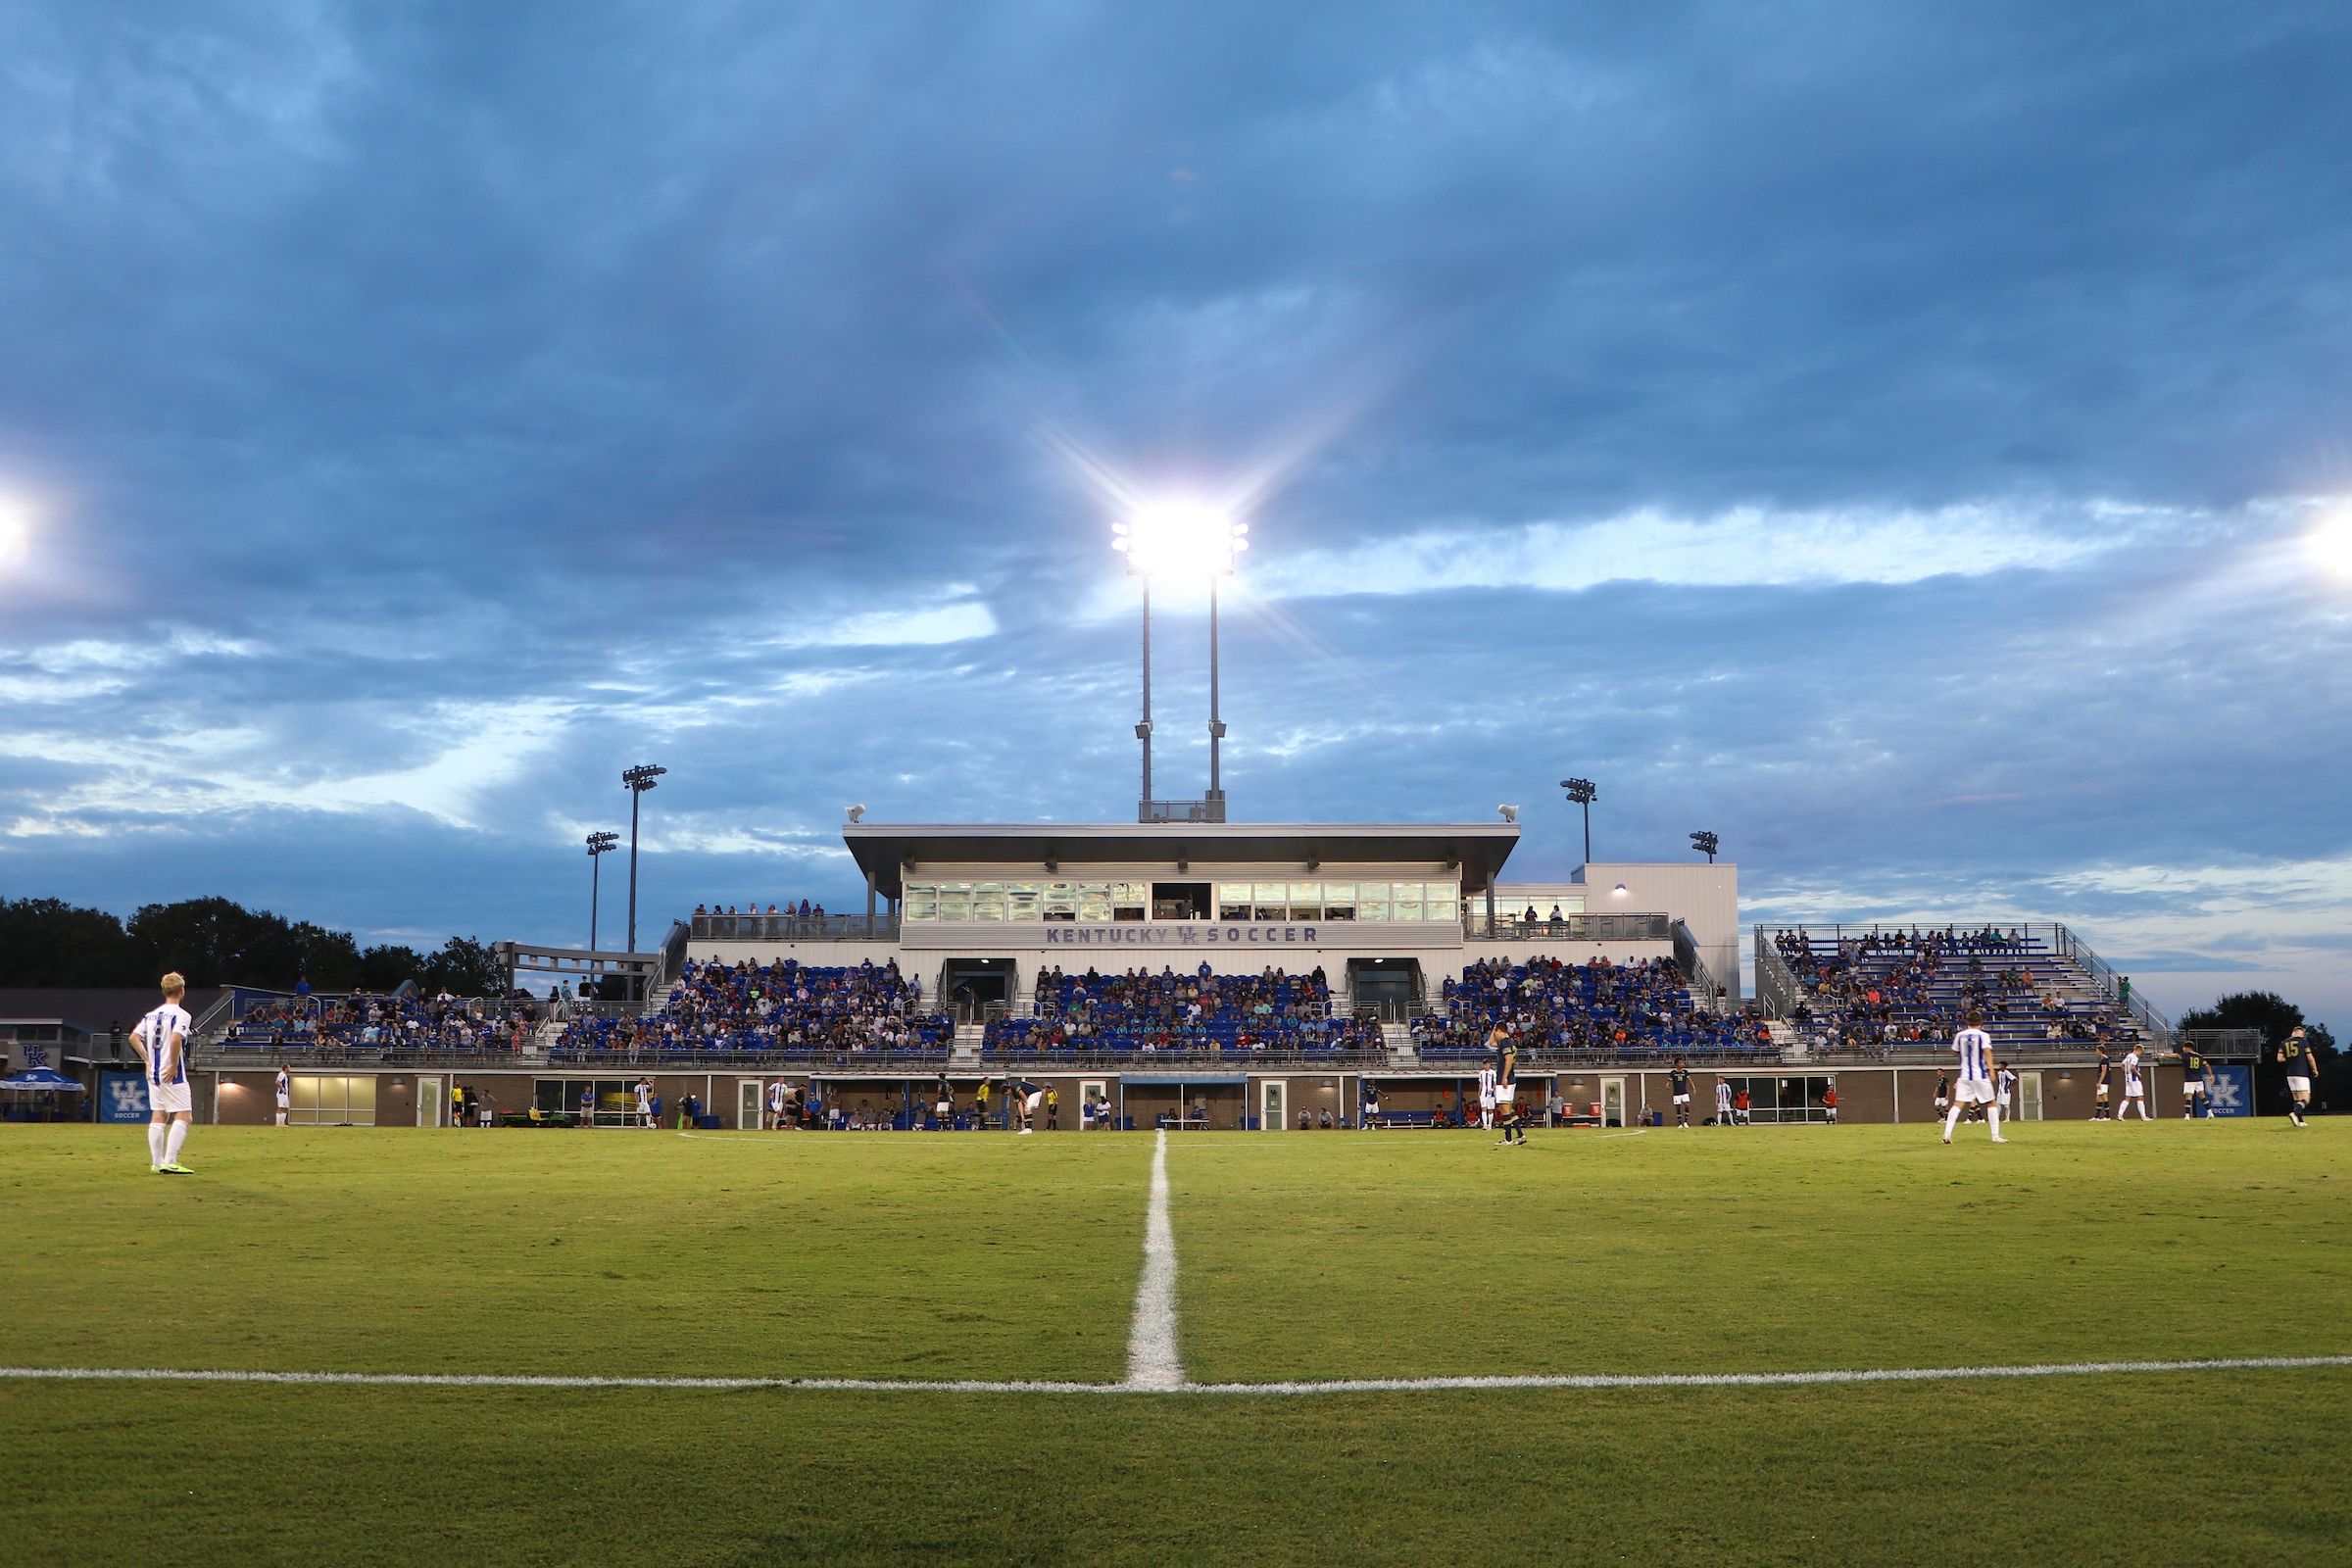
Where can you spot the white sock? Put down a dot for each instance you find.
(1993, 1119)
(1950, 1122)
(173, 1141)
(155, 1142)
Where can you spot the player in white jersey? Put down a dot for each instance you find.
(285, 1096)
(1973, 1047)
(775, 1104)
(1485, 1089)
(162, 1038)
(1722, 1101)
(2136, 1093)
(644, 1103)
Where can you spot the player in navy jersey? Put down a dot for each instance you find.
(2194, 1091)
(162, 1038)
(1505, 1067)
(1680, 1077)
(2295, 1054)
(2104, 1086)
(1973, 1047)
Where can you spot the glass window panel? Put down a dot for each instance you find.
(1372, 900)
(1022, 900)
(988, 900)
(1061, 896)
(305, 1094)
(361, 1094)
(1338, 900)
(1405, 900)
(1233, 900)
(955, 900)
(1306, 901)
(1093, 901)
(923, 901)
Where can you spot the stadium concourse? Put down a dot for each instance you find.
(1214, 975)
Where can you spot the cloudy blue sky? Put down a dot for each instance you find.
(1907, 440)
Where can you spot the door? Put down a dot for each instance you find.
(751, 1104)
(433, 1101)
(1612, 1102)
(2029, 1096)
(1273, 1104)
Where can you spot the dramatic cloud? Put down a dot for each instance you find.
(1909, 442)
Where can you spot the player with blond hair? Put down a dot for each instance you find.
(162, 1038)
(1973, 1047)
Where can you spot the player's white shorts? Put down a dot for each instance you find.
(1975, 1090)
(2294, 1086)
(2192, 1087)
(2102, 1091)
(178, 1097)
(283, 1103)
(1682, 1100)
(2134, 1091)
(2004, 1101)
(1486, 1101)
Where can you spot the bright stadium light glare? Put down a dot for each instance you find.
(1179, 539)
(2332, 544)
(15, 533)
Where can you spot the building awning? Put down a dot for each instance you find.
(885, 851)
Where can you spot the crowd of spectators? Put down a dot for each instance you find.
(782, 1006)
(365, 1021)
(803, 911)
(1200, 1012)
(1871, 993)
(1614, 1010)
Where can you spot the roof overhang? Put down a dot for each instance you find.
(884, 850)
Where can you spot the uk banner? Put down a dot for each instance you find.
(121, 1097)
(2232, 1091)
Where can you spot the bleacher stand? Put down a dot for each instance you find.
(364, 1021)
(1874, 992)
(784, 1008)
(1594, 1011)
(1201, 1012)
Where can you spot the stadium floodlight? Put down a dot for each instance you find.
(2331, 543)
(855, 812)
(1511, 813)
(1182, 539)
(1582, 793)
(638, 780)
(1705, 843)
(600, 845)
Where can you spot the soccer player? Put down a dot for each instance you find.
(2193, 1092)
(1973, 1047)
(777, 1102)
(1031, 1096)
(2136, 1093)
(1722, 1101)
(162, 1038)
(1829, 1098)
(644, 1103)
(1496, 1041)
(1503, 1072)
(2106, 1072)
(980, 1108)
(285, 1096)
(943, 1106)
(1943, 1092)
(2296, 1055)
(1053, 1108)
(1678, 1076)
(2003, 1083)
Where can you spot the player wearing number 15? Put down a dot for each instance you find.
(162, 1038)
(2295, 1054)
(1973, 1047)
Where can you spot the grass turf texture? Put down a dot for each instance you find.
(1408, 1254)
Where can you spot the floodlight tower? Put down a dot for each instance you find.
(638, 780)
(1582, 793)
(1182, 540)
(599, 845)
(1705, 844)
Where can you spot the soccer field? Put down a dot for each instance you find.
(941, 1259)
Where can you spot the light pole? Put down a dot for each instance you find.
(1182, 540)
(638, 779)
(1582, 793)
(599, 845)
(1705, 844)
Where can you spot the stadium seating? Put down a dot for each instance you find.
(784, 1008)
(359, 1023)
(1633, 1013)
(1199, 1013)
(1874, 992)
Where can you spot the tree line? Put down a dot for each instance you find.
(217, 942)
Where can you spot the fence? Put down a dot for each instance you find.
(1568, 928)
(795, 928)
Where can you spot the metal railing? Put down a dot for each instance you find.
(2109, 984)
(795, 928)
(1776, 984)
(2011, 943)
(1610, 927)
(1209, 810)
(1695, 975)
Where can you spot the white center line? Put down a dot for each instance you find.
(1151, 1360)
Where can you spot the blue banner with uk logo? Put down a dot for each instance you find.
(121, 1097)
(2232, 1091)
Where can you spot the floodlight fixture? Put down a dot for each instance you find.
(855, 812)
(1511, 813)
(599, 845)
(1582, 793)
(2331, 543)
(1705, 844)
(637, 780)
(1182, 539)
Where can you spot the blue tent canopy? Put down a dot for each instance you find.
(40, 1078)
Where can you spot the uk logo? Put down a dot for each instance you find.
(2229, 1091)
(36, 1056)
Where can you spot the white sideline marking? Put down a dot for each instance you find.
(1668, 1380)
(1152, 1359)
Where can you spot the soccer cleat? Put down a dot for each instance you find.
(1948, 1139)
(2000, 1140)
(175, 1170)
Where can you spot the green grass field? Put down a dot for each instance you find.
(984, 1256)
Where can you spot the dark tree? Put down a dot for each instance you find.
(48, 942)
